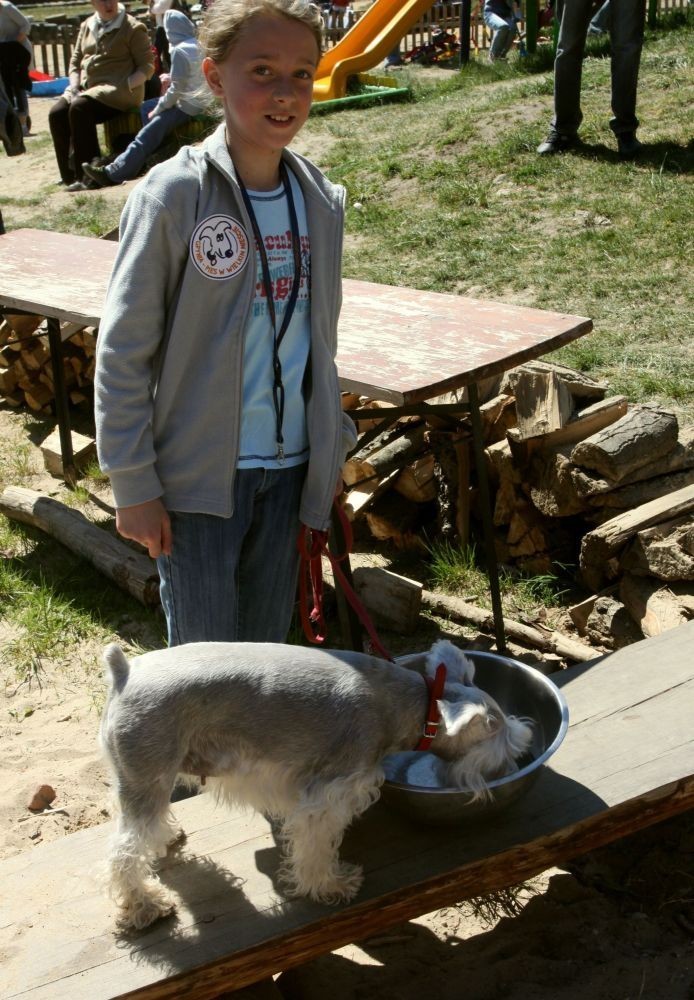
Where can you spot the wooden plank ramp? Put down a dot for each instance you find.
(627, 762)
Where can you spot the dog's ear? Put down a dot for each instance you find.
(458, 667)
(457, 715)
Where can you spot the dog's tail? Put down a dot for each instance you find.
(117, 667)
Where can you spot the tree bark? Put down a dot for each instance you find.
(551, 642)
(133, 571)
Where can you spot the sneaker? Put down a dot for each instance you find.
(556, 143)
(97, 175)
(82, 186)
(628, 145)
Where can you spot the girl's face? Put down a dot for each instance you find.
(265, 84)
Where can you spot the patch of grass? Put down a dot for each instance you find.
(86, 215)
(581, 233)
(454, 569)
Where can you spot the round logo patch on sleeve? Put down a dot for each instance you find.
(219, 247)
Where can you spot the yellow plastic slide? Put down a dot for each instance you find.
(366, 44)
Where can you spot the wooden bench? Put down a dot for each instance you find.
(121, 130)
(627, 762)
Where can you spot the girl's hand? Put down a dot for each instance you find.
(147, 523)
(339, 485)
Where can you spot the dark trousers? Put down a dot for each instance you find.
(14, 70)
(626, 40)
(73, 123)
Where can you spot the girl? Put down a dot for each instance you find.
(217, 402)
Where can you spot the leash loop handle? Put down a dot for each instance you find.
(312, 546)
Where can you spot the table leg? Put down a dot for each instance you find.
(61, 401)
(486, 510)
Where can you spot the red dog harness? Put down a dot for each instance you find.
(431, 726)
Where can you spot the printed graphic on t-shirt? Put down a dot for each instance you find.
(219, 247)
(280, 258)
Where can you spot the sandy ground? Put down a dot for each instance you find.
(618, 926)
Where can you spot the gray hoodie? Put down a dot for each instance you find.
(187, 89)
(169, 375)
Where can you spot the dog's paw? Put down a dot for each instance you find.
(144, 909)
(343, 886)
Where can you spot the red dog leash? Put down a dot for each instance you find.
(312, 546)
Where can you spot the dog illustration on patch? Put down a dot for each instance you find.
(219, 246)
(218, 242)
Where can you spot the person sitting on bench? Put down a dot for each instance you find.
(187, 95)
(111, 60)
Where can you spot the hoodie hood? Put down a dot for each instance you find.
(178, 27)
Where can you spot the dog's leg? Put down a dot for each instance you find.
(313, 832)
(143, 829)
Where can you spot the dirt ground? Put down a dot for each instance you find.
(617, 926)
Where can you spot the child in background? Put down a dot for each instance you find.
(501, 17)
(217, 401)
(184, 98)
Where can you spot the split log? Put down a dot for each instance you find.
(543, 403)
(551, 486)
(579, 613)
(360, 498)
(83, 451)
(549, 641)
(498, 416)
(22, 325)
(656, 608)
(584, 423)
(397, 520)
(580, 386)
(133, 571)
(393, 602)
(679, 458)
(611, 625)
(629, 443)
(393, 453)
(665, 551)
(416, 482)
(628, 497)
(602, 543)
(451, 450)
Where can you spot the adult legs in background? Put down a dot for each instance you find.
(75, 121)
(503, 32)
(601, 20)
(234, 579)
(626, 37)
(568, 64)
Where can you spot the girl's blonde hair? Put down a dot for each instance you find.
(225, 20)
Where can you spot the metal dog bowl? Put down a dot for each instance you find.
(519, 690)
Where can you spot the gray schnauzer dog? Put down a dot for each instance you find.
(295, 733)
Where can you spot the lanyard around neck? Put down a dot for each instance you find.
(277, 335)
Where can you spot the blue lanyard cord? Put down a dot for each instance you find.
(277, 337)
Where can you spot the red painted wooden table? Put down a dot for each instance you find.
(399, 345)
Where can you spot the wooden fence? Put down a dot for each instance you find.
(53, 40)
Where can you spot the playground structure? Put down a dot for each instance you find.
(377, 32)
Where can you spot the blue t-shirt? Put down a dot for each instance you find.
(258, 421)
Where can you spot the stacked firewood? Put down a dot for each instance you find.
(578, 477)
(26, 372)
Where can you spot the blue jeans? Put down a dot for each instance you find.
(234, 579)
(503, 32)
(626, 36)
(147, 141)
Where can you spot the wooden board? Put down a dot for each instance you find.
(627, 762)
(55, 274)
(405, 345)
